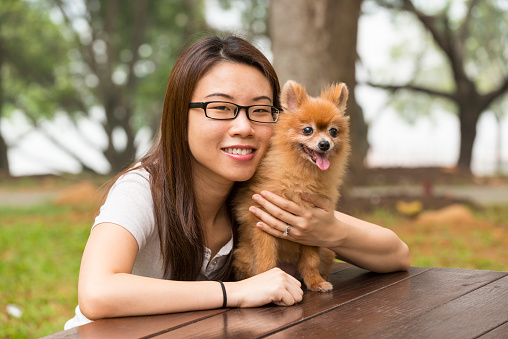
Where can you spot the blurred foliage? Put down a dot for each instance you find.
(104, 60)
(484, 54)
(122, 56)
(33, 52)
(456, 53)
(255, 14)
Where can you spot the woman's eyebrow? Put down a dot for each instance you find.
(263, 97)
(229, 97)
(226, 96)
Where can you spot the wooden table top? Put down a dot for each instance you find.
(422, 303)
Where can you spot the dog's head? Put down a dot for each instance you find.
(316, 127)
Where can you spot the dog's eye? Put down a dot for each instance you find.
(307, 130)
(334, 132)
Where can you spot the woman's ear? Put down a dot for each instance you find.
(292, 96)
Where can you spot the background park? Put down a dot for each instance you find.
(81, 90)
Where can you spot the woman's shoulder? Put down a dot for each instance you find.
(136, 174)
(129, 204)
(136, 178)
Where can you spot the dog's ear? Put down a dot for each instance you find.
(292, 96)
(336, 93)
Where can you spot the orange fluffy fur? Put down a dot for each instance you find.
(293, 165)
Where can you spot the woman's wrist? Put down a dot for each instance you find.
(224, 295)
(340, 234)
(232, 294)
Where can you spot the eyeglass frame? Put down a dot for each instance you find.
(203, 105)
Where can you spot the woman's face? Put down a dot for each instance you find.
(229, 150)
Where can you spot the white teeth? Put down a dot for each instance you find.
(239, 151)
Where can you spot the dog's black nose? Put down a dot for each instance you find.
(324, 145)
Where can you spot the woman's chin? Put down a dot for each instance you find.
(241, 176)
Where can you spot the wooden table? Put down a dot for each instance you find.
(421, 303)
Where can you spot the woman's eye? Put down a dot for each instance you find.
(221, 108)
(307, 130)
(334, 132)
(262, 110)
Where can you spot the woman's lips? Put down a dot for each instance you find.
(239, 153)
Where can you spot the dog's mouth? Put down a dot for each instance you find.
(319, 158)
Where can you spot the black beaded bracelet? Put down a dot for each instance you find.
(224, 295)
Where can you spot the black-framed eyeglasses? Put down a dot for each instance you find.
(223, 110)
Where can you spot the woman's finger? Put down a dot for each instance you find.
(277, 200)
(296, 292)
(272, 213)
(318, 201)
(292, 292)
(276, 231)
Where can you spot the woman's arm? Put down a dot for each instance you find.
(353, 240)
(108, 289)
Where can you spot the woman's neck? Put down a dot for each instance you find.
(211, 200)
(211, 197)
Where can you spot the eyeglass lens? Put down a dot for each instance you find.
(225, 110)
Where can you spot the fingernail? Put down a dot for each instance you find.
(255, 197)
(252, 209)
(259, 225)
(263, 193)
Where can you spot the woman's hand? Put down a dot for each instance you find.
(274, 286)
(313, 226)
(356, 241)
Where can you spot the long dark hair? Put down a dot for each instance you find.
(169, 160)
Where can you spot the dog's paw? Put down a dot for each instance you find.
(324, 286)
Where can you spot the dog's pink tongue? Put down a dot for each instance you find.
(322, 161)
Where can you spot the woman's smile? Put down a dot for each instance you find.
(240, 153)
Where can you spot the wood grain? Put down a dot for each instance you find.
(134, 327)
(348, 285)
(423, 303)
(400, 303)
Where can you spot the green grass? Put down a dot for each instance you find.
(40, 252)
(481, 244)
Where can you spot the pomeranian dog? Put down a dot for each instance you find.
(308, 154)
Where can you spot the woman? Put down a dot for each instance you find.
(165, 229)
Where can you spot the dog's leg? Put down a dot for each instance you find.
(309, 269)
(265, 248)
(326, 257)
(243, 262)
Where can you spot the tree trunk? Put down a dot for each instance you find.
(314, 43)
(4, 160)
(118, 116)
(468, 119)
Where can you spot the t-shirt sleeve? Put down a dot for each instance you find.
(129, 204)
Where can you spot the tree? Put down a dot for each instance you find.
(314, 42)
(473, 46)
(123, 52)
(29, 68)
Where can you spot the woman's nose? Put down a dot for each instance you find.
(241, 125)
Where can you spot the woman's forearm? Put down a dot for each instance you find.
(124, 294)
(370, 246)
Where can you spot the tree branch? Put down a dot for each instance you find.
(464, 28)
(444, 40)
(428, 22)
(395, 88)
(61, 146)
(488, 98)
(138, 35)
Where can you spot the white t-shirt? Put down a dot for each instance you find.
(129, 204)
